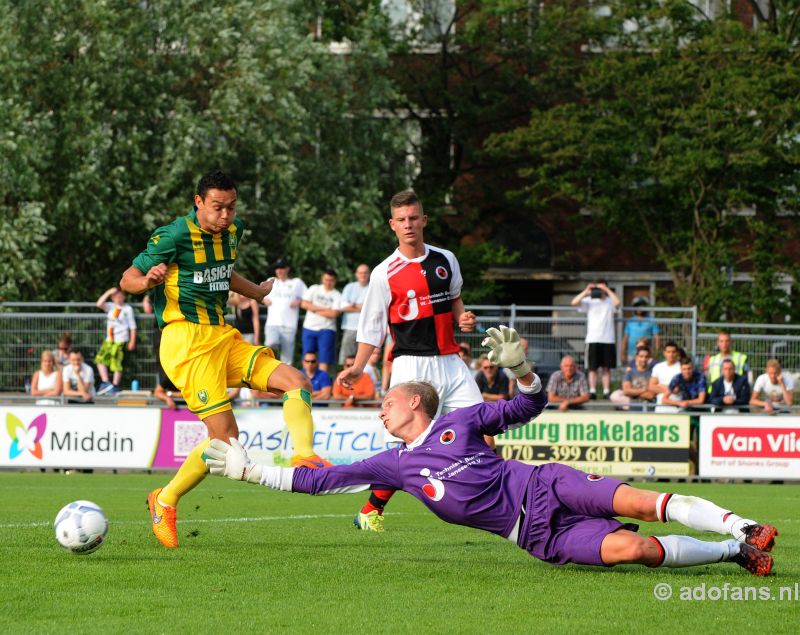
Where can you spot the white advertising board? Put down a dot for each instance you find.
(741, 446)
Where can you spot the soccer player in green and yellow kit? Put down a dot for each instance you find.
(189, 264)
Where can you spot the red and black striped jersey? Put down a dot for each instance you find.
(414, 298)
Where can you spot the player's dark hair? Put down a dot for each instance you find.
(215, 180)
(404, 199)
(673, 344)
(429, 398)
(330, 271)
(686, 360)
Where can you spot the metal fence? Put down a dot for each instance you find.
(27, 329)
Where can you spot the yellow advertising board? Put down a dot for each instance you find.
(608, 443)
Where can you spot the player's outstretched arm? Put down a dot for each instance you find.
(231, 460)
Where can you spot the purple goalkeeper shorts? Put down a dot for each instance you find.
(568, 513)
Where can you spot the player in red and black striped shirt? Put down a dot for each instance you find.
(416, 292)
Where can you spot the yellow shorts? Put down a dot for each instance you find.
(203, 360)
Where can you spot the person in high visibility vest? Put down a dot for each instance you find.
(725, 347)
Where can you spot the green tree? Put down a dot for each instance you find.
(681, 133)
(132, 101)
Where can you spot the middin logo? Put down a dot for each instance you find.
(409, 311)
(26, 438)
(202, 395)
(434, 488)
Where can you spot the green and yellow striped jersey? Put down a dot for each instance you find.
(199, 264)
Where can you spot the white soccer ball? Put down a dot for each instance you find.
(81, 527)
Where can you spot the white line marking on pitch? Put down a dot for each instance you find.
(247, 519)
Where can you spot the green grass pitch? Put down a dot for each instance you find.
(252, 560)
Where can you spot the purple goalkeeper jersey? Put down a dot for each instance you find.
(448, 467)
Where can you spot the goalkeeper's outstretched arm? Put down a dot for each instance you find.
(231, 460)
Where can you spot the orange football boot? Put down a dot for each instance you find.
(164, 519)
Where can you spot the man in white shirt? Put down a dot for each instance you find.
(663, 372)
(120, 334)
(322, 303)
(78, 379)
(599, 303)
(352, 298)
(284, 311)
(777, 388)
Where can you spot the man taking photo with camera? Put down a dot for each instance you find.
(599, 303)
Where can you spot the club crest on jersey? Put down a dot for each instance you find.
(594, 477)
(434, 488)
(202, 395)
(410, 310)
(441, 272)
(447, 437)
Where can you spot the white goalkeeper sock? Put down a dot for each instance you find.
(701, 514)
(683, 551)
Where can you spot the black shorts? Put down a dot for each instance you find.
(600, 355)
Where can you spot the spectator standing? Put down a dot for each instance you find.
(47, 381)
(353, 296)
(63, 348)
(636, 380)
(773, 391)
(688, 388)
(567, 386)
(322, 303)
(731, 389)
(283, 313)
(599, 303)
(78, 379)
(492, 383)
(725, 347)
(663, 372)
(639, 326)
(363, 389)
(321, 383)
(120, 334)
(245, 317)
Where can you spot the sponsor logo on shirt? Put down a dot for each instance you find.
(215, 277)
(441, 272)
(594, 477)
(434, 488)
(447, 437)
(410, 310)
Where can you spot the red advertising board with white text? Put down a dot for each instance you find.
(741, 446)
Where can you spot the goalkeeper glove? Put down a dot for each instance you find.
(231, 460)
(506, 350)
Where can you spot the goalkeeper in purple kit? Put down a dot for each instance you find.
(556, 513)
